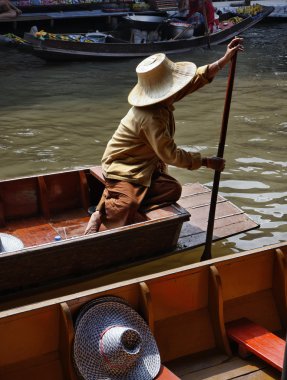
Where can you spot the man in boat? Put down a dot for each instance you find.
(135, 161)
(8, 10)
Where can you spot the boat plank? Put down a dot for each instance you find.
(33, 235)
(223, 209)
(258, 340)
(192, 364)
(37, 230)
(229, 219)
(233, 368)
(198, 227)
(198, 200)
(193, 189)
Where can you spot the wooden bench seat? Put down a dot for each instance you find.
(257, 340)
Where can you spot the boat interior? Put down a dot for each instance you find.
(36, 209)
(189, 311)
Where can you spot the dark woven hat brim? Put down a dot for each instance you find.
(94, 302)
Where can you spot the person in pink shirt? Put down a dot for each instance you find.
(210, 14)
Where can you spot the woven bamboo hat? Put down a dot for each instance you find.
(113, 342)
(158, 79)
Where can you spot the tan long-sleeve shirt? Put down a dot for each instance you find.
(145, 139)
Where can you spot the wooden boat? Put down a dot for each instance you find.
(125, 47)
(196, 313)
(36, 209)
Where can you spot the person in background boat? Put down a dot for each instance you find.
(198, 11)
(8, 10)
(135, 161)
(210, 14)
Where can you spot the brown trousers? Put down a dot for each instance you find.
(122, 202)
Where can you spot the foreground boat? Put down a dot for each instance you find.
(194, 313)
(61, 47)
(36, 210)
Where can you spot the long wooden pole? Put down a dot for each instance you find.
(209, 233)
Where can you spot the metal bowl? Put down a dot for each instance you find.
(144, 22)
(175, 28)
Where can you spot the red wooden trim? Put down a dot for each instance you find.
(166, 374)
(257, 340)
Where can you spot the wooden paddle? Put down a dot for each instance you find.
(209, 233)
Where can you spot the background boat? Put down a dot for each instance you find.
(116, 46)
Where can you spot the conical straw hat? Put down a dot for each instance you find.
(158, 79)
(113, 342)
